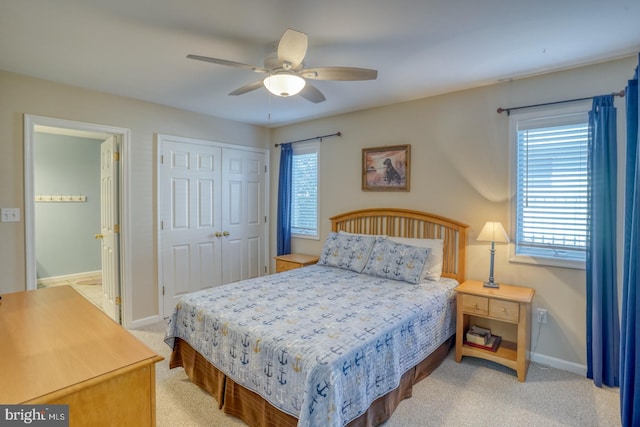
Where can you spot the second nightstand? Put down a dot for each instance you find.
(506, 311)
(292, 261)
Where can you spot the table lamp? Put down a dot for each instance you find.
(493, 232)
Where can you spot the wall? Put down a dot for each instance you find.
(65, 243)
(24, 95)
(460, 169)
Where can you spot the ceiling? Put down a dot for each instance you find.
(138, 48)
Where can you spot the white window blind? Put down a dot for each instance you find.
(552, 190)
(304, 209)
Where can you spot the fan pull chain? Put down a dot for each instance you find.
(269, 113)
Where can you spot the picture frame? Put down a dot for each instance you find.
(386, 168)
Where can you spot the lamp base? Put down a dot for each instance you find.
(490, 284)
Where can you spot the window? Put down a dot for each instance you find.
(304, 203)
(550, 208)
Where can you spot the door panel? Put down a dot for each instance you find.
(180, 204)
(253, 255)
(206, 204)
(232, 248)
(243, 213)
(190, 217)
(206, 253)
(109, 228)
(180, 269)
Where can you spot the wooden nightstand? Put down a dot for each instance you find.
(292, 261)
(506, 311)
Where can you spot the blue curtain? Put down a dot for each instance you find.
(603, 328)
(630, 338)
(284, 200)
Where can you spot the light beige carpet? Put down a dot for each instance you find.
(472, 393)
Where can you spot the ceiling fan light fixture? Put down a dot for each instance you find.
(285, 71)
(284, 84)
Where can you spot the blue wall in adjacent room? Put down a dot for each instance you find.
(65, 242)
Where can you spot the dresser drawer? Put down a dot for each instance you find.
(474, 304)
(505, 310)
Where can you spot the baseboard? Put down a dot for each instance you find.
(87, 275)
(560, 364)
(139, 323)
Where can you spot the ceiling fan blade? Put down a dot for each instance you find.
(311, 93)
(292, 48)
(228, 63)
(248, 88)
(339, 73)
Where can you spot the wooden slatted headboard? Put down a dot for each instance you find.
(415, 224)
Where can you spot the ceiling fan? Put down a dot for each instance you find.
(286, 75)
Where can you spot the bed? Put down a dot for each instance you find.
(338, 343)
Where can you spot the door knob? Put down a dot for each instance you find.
(225, 233)
(218, 234)
(98, 236)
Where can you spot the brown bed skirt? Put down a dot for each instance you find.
(250, 407)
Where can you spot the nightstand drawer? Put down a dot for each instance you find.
(293, 261)
(504, 310)
(474, 304)
(285, 265)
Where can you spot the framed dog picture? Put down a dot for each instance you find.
(386, 168)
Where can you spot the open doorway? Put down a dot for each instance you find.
(72, 208)
(67, 211)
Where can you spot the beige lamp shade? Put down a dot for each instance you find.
(493, 231)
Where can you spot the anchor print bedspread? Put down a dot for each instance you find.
(319, 343)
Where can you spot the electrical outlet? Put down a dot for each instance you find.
(542, 315)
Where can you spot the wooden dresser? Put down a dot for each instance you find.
(58, 348)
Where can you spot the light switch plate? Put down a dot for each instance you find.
(10, 215)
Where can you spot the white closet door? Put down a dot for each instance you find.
(243, 214)
(190, 242)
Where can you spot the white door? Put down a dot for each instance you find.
(109, 228)
(190, 233)
(243, 214)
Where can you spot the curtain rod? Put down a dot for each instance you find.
(508, 110)
(311, 139)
